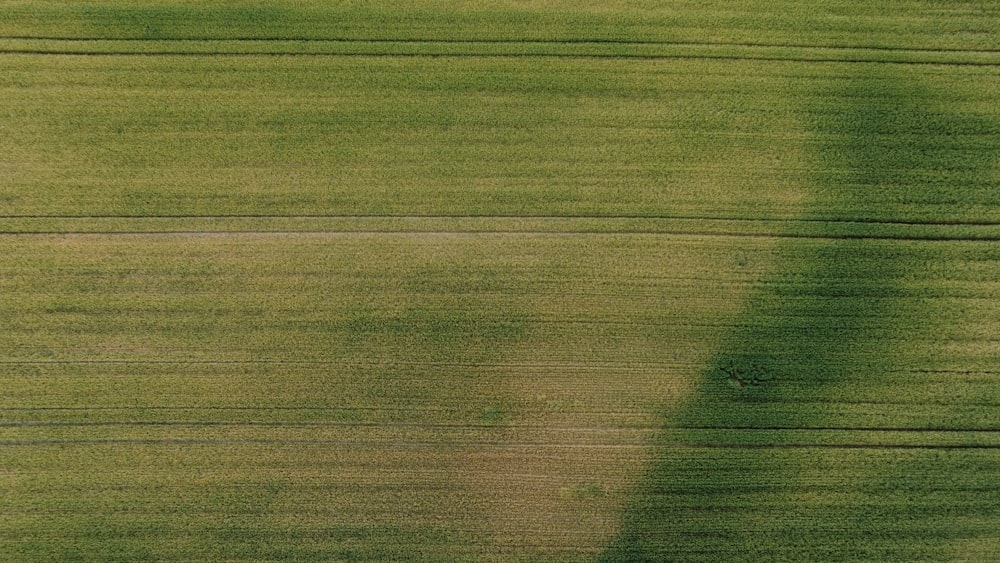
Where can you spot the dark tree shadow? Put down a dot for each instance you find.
(817, 333)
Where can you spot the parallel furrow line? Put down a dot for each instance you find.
(686, 234)
(511, 41)
(481, 444)
(568, 56)
(762, 220)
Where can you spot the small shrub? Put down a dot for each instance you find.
(744, 372)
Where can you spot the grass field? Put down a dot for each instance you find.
(501, 280)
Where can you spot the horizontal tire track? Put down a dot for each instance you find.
(508, 41)
(705, 234)
(485, 443)
(499, 217)
(568, 56)
(456, 426)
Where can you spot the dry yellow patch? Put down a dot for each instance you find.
(579, 406)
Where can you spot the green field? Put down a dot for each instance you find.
(539, 280)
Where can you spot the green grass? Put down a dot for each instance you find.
(390, 388)
(370, 136)
(909, 23)
(538, 280)
(844, 340)
(221, 136)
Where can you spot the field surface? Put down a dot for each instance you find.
(538, 280)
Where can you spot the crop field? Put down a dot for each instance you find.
(499, 280)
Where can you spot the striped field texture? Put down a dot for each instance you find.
(539, 280)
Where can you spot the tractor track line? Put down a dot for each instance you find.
(438, 232)
(485, 426)
(512, 217)
(498, 444)
(568, 56)
(509, 41)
